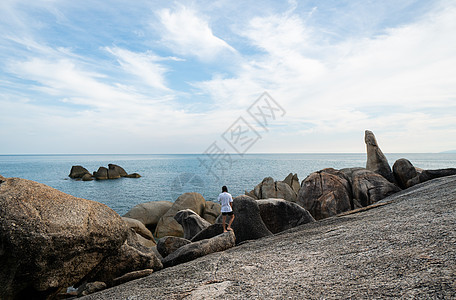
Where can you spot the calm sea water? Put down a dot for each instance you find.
(165, 177)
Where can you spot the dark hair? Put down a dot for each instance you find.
(224, 189)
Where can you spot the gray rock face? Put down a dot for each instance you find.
(293, 182)
(168, 244)
(149, 213)
(325, 193)
(118, 169)
(168, 226)
(279, 215)
(369, 187)
(50, 240)
(247, 223)
(432, 174)
(78, 172)
(209, 232)
(191, 222)
(138, 227)
(376, 160)
(268, 188)
(87, 177)
(101, 174)
(211, 211)
(403, 171)
(201, 248)
(132, 256)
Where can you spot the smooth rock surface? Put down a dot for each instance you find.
(402, 250)
(78, 172)
(376, 160)
(168, 244)
(403, 171)
(191, 222)
(149, 213)
(211, 211)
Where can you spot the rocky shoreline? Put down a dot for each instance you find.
(51, 241)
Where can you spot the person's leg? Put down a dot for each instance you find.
(223, 222)
(231, 221)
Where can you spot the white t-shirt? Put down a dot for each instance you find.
(225, 199)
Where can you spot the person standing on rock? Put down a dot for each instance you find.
(226, 201)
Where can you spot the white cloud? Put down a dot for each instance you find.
(186, 33)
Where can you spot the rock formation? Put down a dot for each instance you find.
(112, 172)
(268, 188)
(149, 213)
(376, 160)
(191, 222)
(403, 171)
(168, 244)
(78, 172)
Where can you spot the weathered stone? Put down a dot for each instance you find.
(279, 215)
(78, 172)
(278, 189)
(132, 276)
(101, 174)
(168, 244)
(90, 288)
(168, 226)
(49, 239)
(284, 191)
(149, 213)
(133, 175)
(432, 174)
(247, 223)
(132, 256)
(191, 222)
(113, 174)
(87, 177)
(209, 232)
(117, 169)
(149, 243)
(295, 184)
(201, 248)
(138, 227)
(403, 171)
(251, 194)
(369, 187)
(376, 160)
(325, 193)
(268, 189)
(211, 211)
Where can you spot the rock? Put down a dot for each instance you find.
(101, 174)
(133, 175)
(201, 248)
(191, 222)
(168, 244)
(270, 189)
(293, 182)
(376, 160)
(146, 242)
(132, 256)
(132, 276)
(325, 193)
(50, 240)
(87, 177)
(149, 213)
(78, 172)
(369, 187)
(251, 194)
(168, 226)
(113, 174)
(119, 170)
(90, 288)
(403, 171)
(426, 175)
(279, 215)
(138, 227)
(209, 232)
(211, 211)
(247, 223)
(284, 191)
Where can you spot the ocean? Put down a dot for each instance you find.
(165, 177)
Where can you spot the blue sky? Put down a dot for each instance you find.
(172, 77)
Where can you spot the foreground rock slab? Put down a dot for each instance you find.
(403, 249)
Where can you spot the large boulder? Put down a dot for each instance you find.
(426, 175)
(209, 232)
(369, 187)
(191, 222)
(138, 227)
(279, 215)
(168, 225)
(132, 256)
(118, 169)
(211, 211)
(325, 193)
(403, 171)
(78, 172)
(149, 213)
(247, 223)
(168, 244)
(293, 181)
(376, 160)
(50, 240)
(101, 174)
(201, 248)
(268, 188)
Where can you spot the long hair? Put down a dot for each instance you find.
(224, 189)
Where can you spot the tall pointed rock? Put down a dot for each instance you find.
(376, 160)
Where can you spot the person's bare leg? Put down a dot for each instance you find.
(224, 222)
(231, 222)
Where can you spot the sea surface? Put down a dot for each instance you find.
(165, 177)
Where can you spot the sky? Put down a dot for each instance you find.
(110, 77)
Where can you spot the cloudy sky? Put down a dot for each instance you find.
(175, 77)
